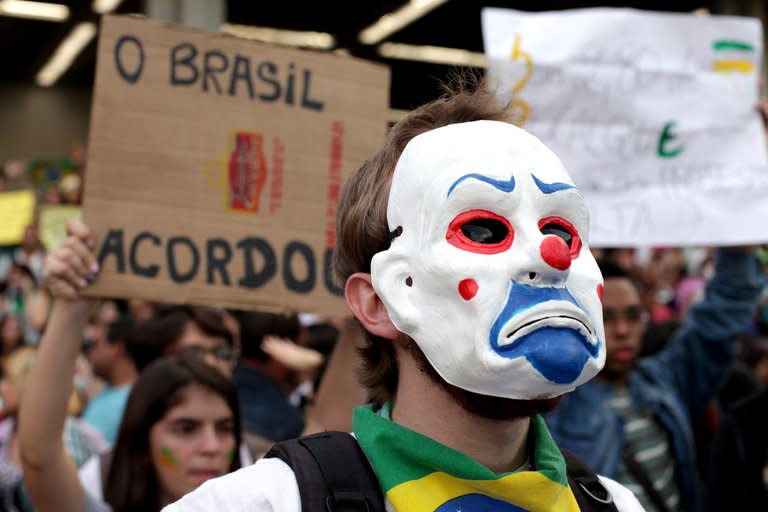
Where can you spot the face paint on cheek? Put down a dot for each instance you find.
(230, 455)
(168, 459)
(468, 289)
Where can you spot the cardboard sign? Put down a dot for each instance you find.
(653, 114)
(215, 165)
(17, 211)
(53, 224)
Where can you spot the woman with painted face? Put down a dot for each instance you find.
(181, 428)
(181, 424)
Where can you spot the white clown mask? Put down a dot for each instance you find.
(489, 269)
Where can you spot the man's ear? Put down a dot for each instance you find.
(368, 307)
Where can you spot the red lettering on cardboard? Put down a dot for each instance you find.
(276, 187)
(334, 180)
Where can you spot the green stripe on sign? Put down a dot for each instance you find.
(729, 44)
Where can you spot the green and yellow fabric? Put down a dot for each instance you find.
(418, 474)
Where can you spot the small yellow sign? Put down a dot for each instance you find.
(17, 211)
(53, 224)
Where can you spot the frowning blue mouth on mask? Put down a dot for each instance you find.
(548, 327)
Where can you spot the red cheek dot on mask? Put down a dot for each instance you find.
(556, 252)
(468, 289)
(600, 292)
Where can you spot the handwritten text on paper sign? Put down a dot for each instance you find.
(653, 114)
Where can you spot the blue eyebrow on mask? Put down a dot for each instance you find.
(504, 186)
(549, 188)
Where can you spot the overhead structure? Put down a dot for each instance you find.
(34, 10)
(423, 41)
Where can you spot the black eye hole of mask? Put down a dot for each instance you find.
(485, 231)
(552, 228)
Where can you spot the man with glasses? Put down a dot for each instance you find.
(633, 422)
(224, 358)
(176, 328)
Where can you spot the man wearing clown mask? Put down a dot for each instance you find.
(463, 245)
(488, 270)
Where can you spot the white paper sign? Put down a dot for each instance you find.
(653, 114)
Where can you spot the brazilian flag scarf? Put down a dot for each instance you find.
(418, 474)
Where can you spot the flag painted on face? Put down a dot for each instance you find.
(167, 458)
(418, 474)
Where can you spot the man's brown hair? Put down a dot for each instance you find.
(361, 223)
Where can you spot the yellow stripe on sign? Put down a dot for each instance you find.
(727, 66)
(529, 489)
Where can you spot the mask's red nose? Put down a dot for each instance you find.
(556, 252)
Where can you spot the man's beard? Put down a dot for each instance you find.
(490, 407)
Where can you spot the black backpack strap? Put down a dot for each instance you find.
(589, 491)
(332, 472)
(644, 480)
(105, 463)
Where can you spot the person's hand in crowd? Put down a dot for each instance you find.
(290, 354)
(72, 266)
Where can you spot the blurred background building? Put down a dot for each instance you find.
(49, 48)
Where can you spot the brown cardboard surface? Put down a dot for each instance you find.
(215, 164)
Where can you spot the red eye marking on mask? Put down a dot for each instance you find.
(468, 289)
(600, 292)
(480, 231)
(556, 252)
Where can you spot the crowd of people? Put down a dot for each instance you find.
(122, 404)
(134, 403)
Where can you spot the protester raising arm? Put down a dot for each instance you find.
(49, 472)
(664, 393)
(696, 360)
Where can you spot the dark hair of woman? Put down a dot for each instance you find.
(132, 482)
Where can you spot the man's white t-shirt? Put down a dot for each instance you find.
(270, 486)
